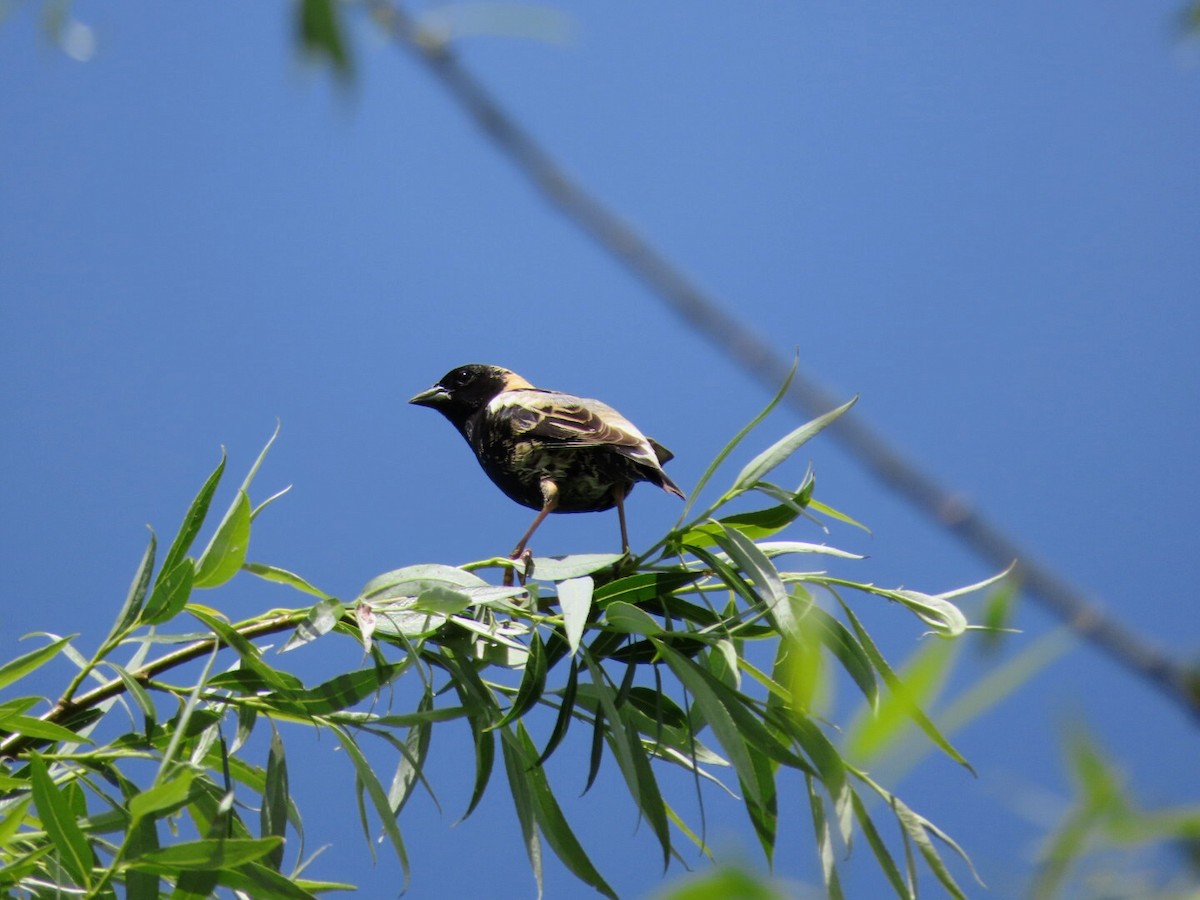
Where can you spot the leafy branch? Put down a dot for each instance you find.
(701, 656)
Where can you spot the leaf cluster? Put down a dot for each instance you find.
(704, 656)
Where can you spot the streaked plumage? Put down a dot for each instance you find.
(550, 451)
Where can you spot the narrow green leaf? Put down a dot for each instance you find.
(321, 35)
(873, 732)
(250, 655)
(164, 797)
(642, 587)
(942, 616)
(629, 619)
(140, 696)
(845, 647)
(565, 710)
(193, 520)
(412, 580)
(898, 689)
(321, 620)
(74, 852)
(549, 815)
(340, 692)
(413, 752)
(40, 728)
(718, 716)
(439, 599)
(258, 880)
(272, 817)
(170, 594)
(377, 795)
(515, 767)
(756, 523)
(739, 437)
(18, 668)
(754, 563)
(778, 452)
(918, 829)
(141, 838)
(632, 760)
(575, 598)
(14, 814)
(560, 568)
(825, 848)
(533, 682)
(879, 847)
(283, 576)
(206, 854)
(226, 552)
(132, 607)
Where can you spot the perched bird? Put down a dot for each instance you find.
(549, 451)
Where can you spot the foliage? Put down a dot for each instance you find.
(657, 658)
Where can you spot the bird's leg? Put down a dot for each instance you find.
(549, 502)
(620, 498)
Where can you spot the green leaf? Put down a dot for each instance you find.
(547, 813)
(412, 580)
(283, 576)
(630, 619)
(560, 568)
(321, 620)
(565, 710)
(193, 520)
(575, 598)
(882, 855)
(900, 691)
(718, 716)
(515, 766)
(739, 437)
(533, 682)
(132, 607)
(320, 33)
(642, 587)
(632, 760)
(16, 669)
(226, 552)
(272, 817)
(874, 731)
(139, 694)
(164, 797)
(439, 599)
(74, 851)
(757, 523)
(206, 854)
(250, 655)
(845, 647)
(378, 796)
(825, 848)
(942, 616)
(338, 693)
(753, 562)
(170, 594)
(40, 728)
(778, 452)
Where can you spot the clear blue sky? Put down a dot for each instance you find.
(983, 218)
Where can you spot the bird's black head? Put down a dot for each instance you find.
(462, 392)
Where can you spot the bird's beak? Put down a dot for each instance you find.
(434, 397)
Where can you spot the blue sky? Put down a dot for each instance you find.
(983, 219)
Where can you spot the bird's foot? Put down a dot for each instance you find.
(524, 569)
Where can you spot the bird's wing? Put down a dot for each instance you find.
(573, 422)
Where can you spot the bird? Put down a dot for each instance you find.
(546, 450)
